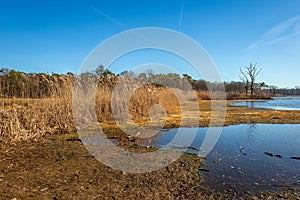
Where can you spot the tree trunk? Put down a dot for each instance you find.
(252, 88)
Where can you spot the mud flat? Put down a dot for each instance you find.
(59, 167)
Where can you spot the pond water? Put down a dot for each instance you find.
(278, 103)
(247, 157)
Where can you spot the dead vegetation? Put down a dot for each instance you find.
(30, 118)
(26, 119)
(33, 106)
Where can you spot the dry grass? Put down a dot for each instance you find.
(26, 119)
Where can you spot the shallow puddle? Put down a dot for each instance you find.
(247, 157)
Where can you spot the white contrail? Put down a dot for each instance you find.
(109, 17)
(279, 32)
(116, 21)
(180, 17)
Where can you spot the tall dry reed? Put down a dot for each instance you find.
(28, 118)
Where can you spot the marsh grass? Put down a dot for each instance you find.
(28, 119)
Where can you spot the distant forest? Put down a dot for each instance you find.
(42, 85)
(273, 90)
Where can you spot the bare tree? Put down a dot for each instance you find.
(248, 75)
(245, 79)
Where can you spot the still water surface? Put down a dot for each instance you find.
(278, 103)
(238, 161)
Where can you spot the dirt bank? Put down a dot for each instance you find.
(59, 167)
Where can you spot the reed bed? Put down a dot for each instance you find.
(29, 119)
(45, 106)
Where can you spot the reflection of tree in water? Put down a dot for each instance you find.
(252, 128)
(248, 139)
(251, 131)
(250, 104)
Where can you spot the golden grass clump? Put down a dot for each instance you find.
(137, 103)
(26, 119)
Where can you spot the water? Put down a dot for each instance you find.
(278, 103)
(229, 169)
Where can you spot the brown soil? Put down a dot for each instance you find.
(59, 167)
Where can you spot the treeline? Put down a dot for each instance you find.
(273, 90)
(42, 85)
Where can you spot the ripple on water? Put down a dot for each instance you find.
(229, 168)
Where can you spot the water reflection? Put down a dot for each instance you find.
(238, 161)
(278, 103)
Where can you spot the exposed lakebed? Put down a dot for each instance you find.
(246, 157)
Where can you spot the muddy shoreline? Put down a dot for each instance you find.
(59, 166)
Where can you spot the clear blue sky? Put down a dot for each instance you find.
(57, 35)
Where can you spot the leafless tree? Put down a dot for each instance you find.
(248, 76)
(245, 79)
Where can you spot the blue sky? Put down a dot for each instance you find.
(56, 36)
